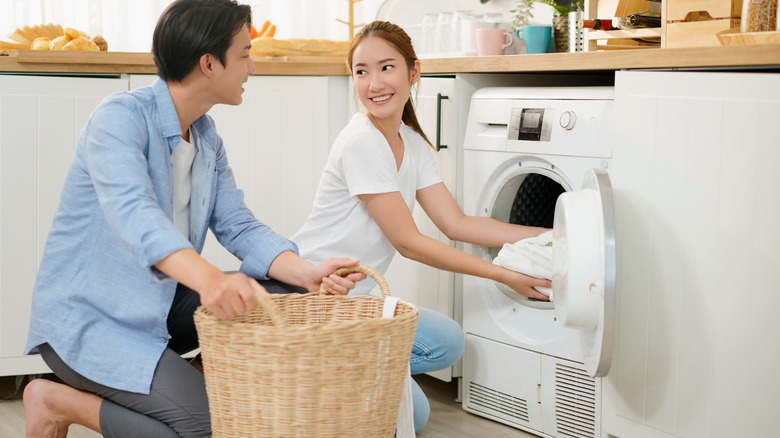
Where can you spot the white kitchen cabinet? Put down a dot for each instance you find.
(40, 120)
(277, 142)
(696, 189)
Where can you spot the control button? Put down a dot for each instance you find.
(568, 120)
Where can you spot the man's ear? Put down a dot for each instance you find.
(205, 64)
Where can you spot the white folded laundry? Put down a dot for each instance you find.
(531, 256)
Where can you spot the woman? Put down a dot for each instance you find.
(121, 273)
(379, 164)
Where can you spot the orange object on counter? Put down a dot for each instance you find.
(263, 28)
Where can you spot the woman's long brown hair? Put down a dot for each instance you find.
(396, 36)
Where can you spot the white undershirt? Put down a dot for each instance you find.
(182, 157)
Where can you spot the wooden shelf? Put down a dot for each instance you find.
(648, 32)
(733, 38)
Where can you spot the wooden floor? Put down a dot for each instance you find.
(448, 419)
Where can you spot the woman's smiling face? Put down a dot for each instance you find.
(382, 79)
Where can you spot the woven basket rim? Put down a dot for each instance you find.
(208, 318)
(403, 310)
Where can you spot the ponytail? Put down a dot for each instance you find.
(409, 118)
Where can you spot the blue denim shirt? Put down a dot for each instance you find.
(98, 300)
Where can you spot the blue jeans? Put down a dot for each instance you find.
(438, 343)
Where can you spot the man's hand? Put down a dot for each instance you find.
(231, 294)
(225, 295)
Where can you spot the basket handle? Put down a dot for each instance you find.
(272, 309)
(368, 271)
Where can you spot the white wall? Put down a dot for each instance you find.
(127, 25)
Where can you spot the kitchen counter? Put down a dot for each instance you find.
(737, 57)
(751, 57)
(35, 61)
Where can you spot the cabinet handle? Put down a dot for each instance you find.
(439, 98)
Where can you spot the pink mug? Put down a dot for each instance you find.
(492, 41)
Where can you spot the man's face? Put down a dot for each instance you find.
(230, 77)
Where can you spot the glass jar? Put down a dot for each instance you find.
(445, 24)
(758, 16)
(430, 34)
(457, 30)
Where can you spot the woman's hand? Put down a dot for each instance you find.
(524, 285)
(335, 284)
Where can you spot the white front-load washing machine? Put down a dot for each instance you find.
(541, 157)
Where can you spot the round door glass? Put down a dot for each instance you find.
(528, 197)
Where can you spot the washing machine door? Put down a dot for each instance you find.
(584, 267)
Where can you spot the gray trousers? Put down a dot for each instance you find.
(177, 405)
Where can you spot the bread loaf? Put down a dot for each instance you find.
(298, 47)
(41, 43)
(52, 37)
(7, 45)
(101, 43)
(59, 42)
(81, 43)
(71, 32)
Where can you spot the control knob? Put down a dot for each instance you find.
(568, 120)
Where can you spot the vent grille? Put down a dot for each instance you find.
(575, 402)
(494, 402)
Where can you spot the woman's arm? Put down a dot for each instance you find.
(395, 220)
(441, 207)
(290, 268)
(231, 294)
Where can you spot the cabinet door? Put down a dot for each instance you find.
(40, 120)
(696, 202)
(277, 142)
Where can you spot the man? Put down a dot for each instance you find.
(121, 273)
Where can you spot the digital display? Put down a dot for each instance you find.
(530, 124)
(530, 120)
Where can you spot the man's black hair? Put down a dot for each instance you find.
(189, 29)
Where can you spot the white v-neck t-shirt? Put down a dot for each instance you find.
(182, 158)
(361, 162)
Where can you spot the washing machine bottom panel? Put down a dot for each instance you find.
(502, 383)
(543, 395)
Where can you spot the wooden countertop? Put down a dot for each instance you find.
(757, 56)
(737, 57)
(39, 61)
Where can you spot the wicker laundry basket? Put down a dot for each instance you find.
(311, 365)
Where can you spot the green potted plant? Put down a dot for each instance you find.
(522, 13)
